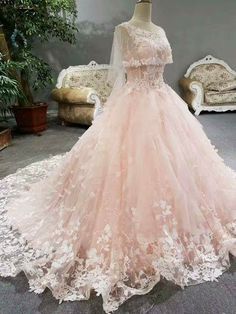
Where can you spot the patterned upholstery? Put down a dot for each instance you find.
(210, 73)
(223, 86)
(73, 95)
(92, 78)
(214, 97)
(80, 91)
(209, 84)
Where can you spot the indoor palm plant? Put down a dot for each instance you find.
(24, 22)
(10, 93)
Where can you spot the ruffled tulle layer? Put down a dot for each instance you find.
(143, 194)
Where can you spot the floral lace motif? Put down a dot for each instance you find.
(181, 257)
(93, 224)
(144, 56)
(149, 77)
(145, 47)
(135, 48)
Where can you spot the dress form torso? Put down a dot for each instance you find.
(140, 50)
(142, 17)
(132, 202)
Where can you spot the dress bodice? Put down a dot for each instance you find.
(143, 54)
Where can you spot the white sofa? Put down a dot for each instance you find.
(81, 92)
(209, 85)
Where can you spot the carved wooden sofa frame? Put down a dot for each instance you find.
(194, 87)
(81, 92)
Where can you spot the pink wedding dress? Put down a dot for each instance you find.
(142, 195)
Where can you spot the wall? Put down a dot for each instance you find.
(194, 28)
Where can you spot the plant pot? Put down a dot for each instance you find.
(5, 138)
(31, 119)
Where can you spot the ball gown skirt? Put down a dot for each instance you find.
(142, 195)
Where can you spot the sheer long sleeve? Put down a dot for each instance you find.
(116, 75)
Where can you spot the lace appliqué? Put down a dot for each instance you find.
(156, 44)
(116, 272)
(144, 56)
(79, 237)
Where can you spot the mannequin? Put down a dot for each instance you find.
(142, 16)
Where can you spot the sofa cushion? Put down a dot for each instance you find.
(76, 113)
(211, 73)
(73, 95)
(222, 86)
(92, 78)
(214, 97)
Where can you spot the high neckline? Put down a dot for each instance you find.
(131, 25)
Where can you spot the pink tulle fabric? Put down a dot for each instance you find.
(142, 195)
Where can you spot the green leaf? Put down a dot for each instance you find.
(36, 20)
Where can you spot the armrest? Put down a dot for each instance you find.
(186, 91)
(74, 95)
(185, 82)
(192, 93)
(98, 105)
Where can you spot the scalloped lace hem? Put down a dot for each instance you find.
(114, 281)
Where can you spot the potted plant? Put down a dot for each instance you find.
(31, 116)
(10, 92)
(25, 21)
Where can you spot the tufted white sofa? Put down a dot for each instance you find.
(81, 92)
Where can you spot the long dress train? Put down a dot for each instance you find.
(142, 194)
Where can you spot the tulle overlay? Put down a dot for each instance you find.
(143, 194)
